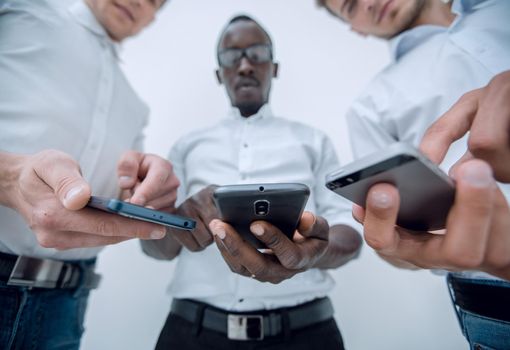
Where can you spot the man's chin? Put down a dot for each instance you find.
(118, 32)
(248, 109)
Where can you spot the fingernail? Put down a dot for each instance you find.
(257, 229)
(219, 232)
(138, 200)
(71, 194)
(158, 234)
(381, 199)
(477, 174)
(125, 181)
(314, 219)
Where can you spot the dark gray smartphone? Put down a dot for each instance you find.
(280, 204)
(137, 212)
(426, 192)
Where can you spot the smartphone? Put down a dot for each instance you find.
(426, 192)
(137, 212)
(280, 204)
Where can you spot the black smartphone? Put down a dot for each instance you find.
(137, 212)
(426, 192)
(280, 204)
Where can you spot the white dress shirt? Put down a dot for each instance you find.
(61, 88)
(432, 68)
(238, 150)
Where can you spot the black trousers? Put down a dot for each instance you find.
(179, 334)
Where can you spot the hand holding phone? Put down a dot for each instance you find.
(287, 258)
(426, 192)
(279, 204)
(137, 212)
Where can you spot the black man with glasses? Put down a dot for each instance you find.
(220, 298)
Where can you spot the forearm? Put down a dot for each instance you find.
(166, 248)
(344, 245)
(10, 170)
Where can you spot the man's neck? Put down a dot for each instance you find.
(435, 12)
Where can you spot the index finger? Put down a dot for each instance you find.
(158, 179)
(127, 169)
(244, 254)
(450, 127)
(291, 255)
(489, 137)
(95, 222)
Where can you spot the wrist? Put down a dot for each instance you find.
(10, 170)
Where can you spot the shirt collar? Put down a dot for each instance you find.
(460, 7)
(81, 12)
(409, 39)
(264, 112)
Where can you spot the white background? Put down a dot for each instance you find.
(323, 67)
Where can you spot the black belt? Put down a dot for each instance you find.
(29, 272)
(480, 298)
(253, 325)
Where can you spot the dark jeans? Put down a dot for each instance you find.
(484, 333)
(42, 318)
(180, 334)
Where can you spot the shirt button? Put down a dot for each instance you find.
(245, 145)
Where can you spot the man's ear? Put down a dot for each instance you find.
(218, 77)
(275, 70)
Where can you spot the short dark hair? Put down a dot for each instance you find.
(240, 18)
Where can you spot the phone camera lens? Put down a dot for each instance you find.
(261, 188)
(261, 207)
(186, 224)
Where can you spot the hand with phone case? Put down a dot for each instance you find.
(476, 235)
(49, 192)
(264, 233)
(285, 257)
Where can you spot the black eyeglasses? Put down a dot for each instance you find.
(256, 54)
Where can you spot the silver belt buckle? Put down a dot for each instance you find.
(245, 327)
(33, 272)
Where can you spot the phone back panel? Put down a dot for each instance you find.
(426, 196)
(278, 204)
